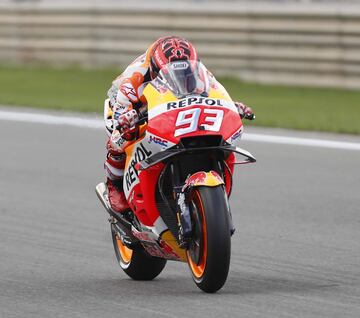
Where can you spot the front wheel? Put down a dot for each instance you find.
(136, 263)
(210, 247)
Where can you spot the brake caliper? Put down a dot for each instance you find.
(183, 218)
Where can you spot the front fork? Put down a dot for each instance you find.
(182, 209)
(182, 194)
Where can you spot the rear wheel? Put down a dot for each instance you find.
(136, 263)
(210, 248)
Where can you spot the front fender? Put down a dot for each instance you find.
(202, 178)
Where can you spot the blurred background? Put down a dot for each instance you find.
(292, 60)
(295, 252)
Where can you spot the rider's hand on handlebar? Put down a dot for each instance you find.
(127, 123)
(245, 111)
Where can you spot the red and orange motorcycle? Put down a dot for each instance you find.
(178, 179)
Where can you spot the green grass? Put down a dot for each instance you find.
(76, 89)
(320, 109)
(69, 89)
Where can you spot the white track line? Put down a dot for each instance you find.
(51, 119)
(302, 141)
(99, 124)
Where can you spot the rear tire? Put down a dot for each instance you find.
(210, 248)
(136, 263)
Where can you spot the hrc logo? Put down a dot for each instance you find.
(157, 140)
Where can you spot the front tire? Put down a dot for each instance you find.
(210, 248)
(136, 263)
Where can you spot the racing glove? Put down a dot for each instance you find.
(245, 111)
(127, 124)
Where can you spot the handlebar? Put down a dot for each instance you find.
(143, 115)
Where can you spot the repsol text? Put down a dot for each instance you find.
(194, 101)
(140, 154)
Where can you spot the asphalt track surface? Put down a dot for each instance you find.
(295, 253)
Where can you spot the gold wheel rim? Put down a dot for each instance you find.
(125, 252)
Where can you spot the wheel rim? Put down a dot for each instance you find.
(125, 252)
(197, 252)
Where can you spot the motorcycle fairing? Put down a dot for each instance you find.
(136, 152)
(159, 157)
(210, 112)
(157, 142)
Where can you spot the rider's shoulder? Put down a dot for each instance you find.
(134, 69)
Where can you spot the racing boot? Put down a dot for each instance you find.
(116, 196)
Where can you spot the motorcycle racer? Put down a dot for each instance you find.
(126, 101)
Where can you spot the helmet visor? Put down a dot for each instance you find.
(184, 78)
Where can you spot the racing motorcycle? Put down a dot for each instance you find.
(178, 179)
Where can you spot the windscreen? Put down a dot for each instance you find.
(185, 77)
